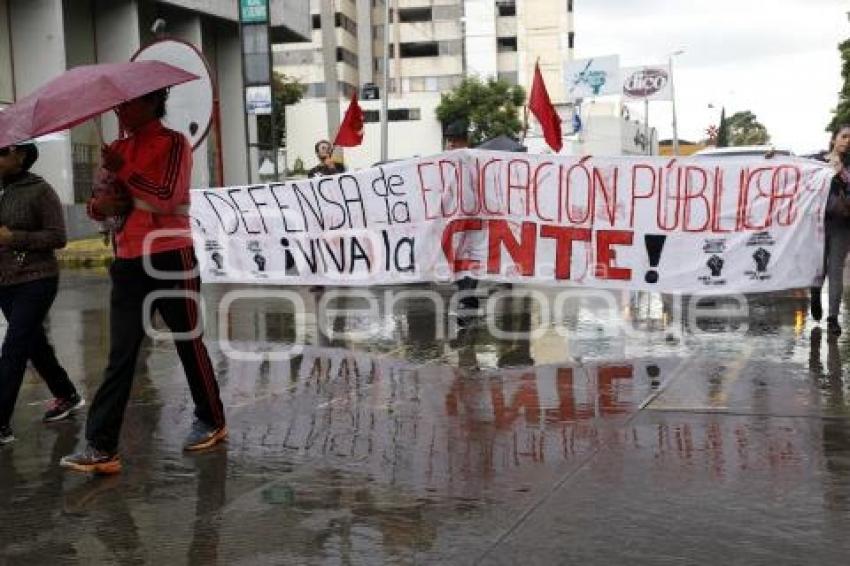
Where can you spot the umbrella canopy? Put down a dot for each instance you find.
(82, 93)
(502, 143)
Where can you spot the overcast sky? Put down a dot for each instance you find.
(777, 58)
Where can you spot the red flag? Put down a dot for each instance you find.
(351, 130)
(541, 106)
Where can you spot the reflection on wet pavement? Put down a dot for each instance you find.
(621, 431)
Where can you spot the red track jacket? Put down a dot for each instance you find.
(157, 171)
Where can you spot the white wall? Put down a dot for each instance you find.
(7, 90)
(221, 8)
(117, 34)
(294, 14)
(307, 123)
(542, 28)
(604, 132)
(480, 38)
(228, 65)
(80, 50)
(364, 41)
(38, 44)
(188, 28)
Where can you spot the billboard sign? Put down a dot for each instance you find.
(650, 82)
(597, 76)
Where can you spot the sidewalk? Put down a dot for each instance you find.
(396, 444)
(86, 253)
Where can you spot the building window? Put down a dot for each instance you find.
(506, 8)
(404, 114)
(451, 47)
(343, 55)
(315, 90)
(569, 6)
(394, 115)
(505, 44)
(340, 21)
(412, 15)
(85, 161)
(429, 83)
(511, 77)
(449, 82)
(446, 13)
(420, 49)
(571, 39)
(346, 23)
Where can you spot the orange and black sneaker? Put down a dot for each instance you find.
(92, 461)
(203, 436)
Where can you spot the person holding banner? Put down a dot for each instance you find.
(31, 228)
(457, 137)
(154, 269)
(837, 238)
(327, 166)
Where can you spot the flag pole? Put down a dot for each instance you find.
(338, 128)
(525, 108)
(524, 122)
(386, 94)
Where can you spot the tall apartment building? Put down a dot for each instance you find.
(39, 39)
(433, 45)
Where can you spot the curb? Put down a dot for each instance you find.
(85, 254)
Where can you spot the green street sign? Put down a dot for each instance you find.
(254, 11)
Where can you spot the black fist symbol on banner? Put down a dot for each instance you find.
(261, 262)
(762, 258)
(218, 259)
(715, 264)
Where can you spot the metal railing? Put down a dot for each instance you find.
(86, 160)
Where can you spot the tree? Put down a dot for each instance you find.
(723, 130)
(490, 108)
(842, 112)
(286, 91)
(745, 129)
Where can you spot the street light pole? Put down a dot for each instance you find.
(673, 99)
(386, 93)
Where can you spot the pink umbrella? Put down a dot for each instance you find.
(82, 93)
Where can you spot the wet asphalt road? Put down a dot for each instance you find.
(630, 437)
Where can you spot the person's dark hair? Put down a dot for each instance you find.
(159, 97)
(458, 130)
(837, 130)
(31, 155)
(318, 143)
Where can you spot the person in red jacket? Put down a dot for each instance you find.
(150, 172)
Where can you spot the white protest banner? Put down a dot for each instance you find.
(597, 76)
(651, 82)
(669, 225)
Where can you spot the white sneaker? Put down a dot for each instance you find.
(6, 436)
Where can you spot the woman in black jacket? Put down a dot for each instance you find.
(837, 238)
(31, 228)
